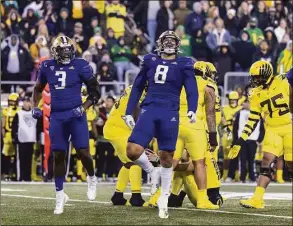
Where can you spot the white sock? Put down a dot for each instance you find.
(166, 180)
(144, 163)
(92, 177)
(59, 192)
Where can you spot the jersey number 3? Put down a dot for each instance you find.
(61, 78)
(161, 74)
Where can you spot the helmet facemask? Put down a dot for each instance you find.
(63, 54)
(168, 43)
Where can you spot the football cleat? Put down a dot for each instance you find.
(61, 199)
(253, 203)
(136, 200)
(154, 199)
(174, 201)
(91, 188)
(206, 204)
(118, 199)
(163, 206)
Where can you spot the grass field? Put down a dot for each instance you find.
(33, 204)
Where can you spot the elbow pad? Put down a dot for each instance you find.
(93, 90)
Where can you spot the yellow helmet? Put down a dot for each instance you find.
(211, 71)
(13, 99)
(233, 95)
(260, 73)
(200, 68)
(233, 98)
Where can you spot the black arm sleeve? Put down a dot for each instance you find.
(235, 128)
(14, 132)
(93, 89)
(261, 131)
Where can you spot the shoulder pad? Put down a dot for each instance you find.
(80, 61)
(185, 62)
(184, 59)
(46, 63)
(152, 57)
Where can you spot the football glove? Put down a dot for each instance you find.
(191, 116)
(128, 119)
(234, 151)
(213, 140)
(152, 156)
(78, 112)
(37, 113)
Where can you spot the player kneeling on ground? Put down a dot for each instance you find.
(269, 97)
(117, 132)
(65, 75)
(165, 75)
(194, 138)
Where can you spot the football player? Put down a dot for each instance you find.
(165, 74)
(269, 97)
(65, 75)
(91, 116)
(9, 148)
(193, 137)
(290, 80)
(228, 113)
(117, 132)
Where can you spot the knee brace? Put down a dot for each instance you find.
(269, 171)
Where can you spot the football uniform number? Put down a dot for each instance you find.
(283, 108)
(61, 78)
(161, 74)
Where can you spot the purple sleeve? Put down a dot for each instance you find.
(190, 85)
(85, 71)
(290, 76)
(41, 74)
(137, 89)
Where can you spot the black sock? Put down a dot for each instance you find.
(87, 162)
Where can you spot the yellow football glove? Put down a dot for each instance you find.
(234, 151)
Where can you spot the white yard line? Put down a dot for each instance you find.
(51, 198)
(239, 213)
(9, 189)
(242, 195)
(182, 208)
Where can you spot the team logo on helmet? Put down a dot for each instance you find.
(63, 50)
(260, 73)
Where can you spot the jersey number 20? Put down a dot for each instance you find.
(61, 78)
(161, 74)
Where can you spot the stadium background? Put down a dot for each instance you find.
(113, 35)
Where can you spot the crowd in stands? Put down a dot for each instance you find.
(111, 35)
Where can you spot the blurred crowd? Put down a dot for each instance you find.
(113, 36)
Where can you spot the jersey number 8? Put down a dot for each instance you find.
(161, 74)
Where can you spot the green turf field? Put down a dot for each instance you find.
(33, 204)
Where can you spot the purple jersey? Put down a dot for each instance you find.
(164, 80)
(65, 82)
